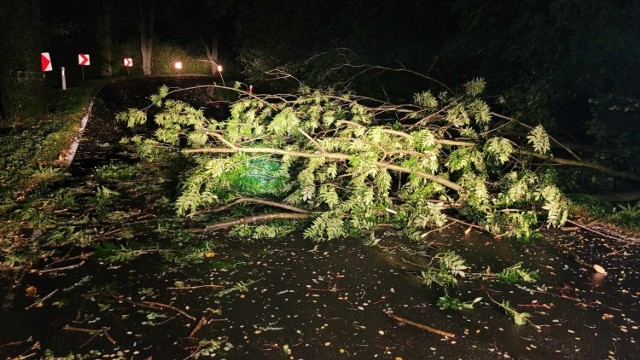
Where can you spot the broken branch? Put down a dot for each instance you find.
(195, 287)
(100, 332)
(420, 326)
(255, 218)
(38, 302)
(202, 322)
(257, 201)
(58, 269)
(154, 305)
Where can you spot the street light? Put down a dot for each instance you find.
(178, 65)
(219, 68)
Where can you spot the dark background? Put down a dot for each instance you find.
(573, 66)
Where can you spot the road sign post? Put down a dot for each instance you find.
(128, 62)
(45, 61)
(83, 60)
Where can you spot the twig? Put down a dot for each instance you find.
(40, 272)
(584, 227)
(317, 144)
(105, 332)
(154, 305)
(202, 322)
(195, 287)
(100, 332)
(40, 301)
(17, 343)
(420, 326)
(503, 117)
(440, 228)
(82, 256)
(25, 357)
(332, 289)
(580, 163)
(165, 306)
(479, 228)
(83, 330)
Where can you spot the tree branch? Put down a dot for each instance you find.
(257, 201)
(256, 218)
(531, 128)
(313, 141)
(586, 164)
(336, 156)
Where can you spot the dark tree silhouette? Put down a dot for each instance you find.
(21, 82)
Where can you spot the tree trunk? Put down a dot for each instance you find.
(103, 37)
(146, 19)
(212, 54)
(21, 81)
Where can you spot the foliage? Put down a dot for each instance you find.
(539, 139)
(114, 254)
(625, 215)
(211, 348)
(450, 266)
(33, 150)
(240, 286)
(263, 231)
(516, 273)
(30, 194)
(447, 302)
(116, 172)
(519, 318)
(335, 155)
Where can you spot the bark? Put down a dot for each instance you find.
(256, 218)
(103, 37)
(211, 51)
(260, 202)
(585, 164)
(145, 19)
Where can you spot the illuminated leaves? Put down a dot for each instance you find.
(444, 151)
(539, 139)
(426, 100)
(498, 149)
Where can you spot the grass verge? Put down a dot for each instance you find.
(620, 217)
(34, 148)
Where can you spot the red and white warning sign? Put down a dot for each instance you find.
(45, 59)
(83, 60)
(128, 62)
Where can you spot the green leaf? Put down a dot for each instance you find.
(499, 149)
(539, 139)
(426, 100)
(475, 87)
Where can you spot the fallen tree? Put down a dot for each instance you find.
(340, 164)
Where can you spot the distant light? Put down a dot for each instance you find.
(219, 68)
(178, 65)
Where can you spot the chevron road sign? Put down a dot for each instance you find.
(45, 59)
(83, 60)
